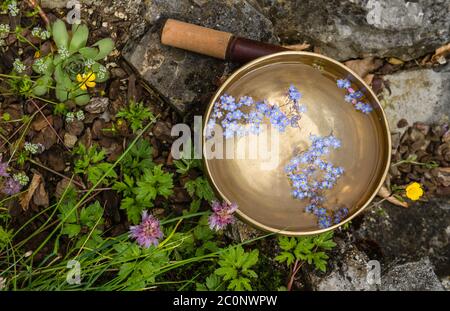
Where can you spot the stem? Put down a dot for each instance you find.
(48, 122)
(34, 4)
(59, 174)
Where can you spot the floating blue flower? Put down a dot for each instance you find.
(311, 175)
(357, 95)
(340, 215)
(348, 98)
(343, 83)
(324, 222)
(310, 208)
(352, 96)
(237, 114)
(294, 94)
(320, 211)
(366, 109)
(246, 101)
(262, 107)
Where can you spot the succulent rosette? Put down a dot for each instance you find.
(72, 60)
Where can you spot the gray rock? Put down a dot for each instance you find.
(59, 4)
(70, 140)
(241, 232)
(97, 105)
(400, 235)
(349, 271)
(182, 77)
(354, 28)
(418, 95)
(413, 276)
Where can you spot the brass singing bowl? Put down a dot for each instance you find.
(264, 195)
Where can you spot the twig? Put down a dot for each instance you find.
(48, 122)
(34, 4)
(294, 272)
(56, 173)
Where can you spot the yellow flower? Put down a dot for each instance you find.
(86, 80)
(37, 54)
(414, 191)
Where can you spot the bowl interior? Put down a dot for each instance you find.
(260, 186)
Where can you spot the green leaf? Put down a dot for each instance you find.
(138, 159)
(200, 188)
(63, 84)
(100, 78)
(126, 187)
(228, 273)
(203, 233)
(213, 282)
(60, 34)
(47, 64)
(88, 52)
(240, 284)
(285, 257)
(287, 243)
(42, 85)
(154, 182)
(136, 114)
(5, 237)
(61, 93)
(133, 209)
(251, 260)
(303, 248)
(234, 267)
(320, 261)
(71, 229)
(325, 240)
(80, 35)
(96, 172)
(145, 192)
(90, 215)
(105, 46)
(80, 97)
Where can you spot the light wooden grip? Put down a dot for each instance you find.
(196, 38)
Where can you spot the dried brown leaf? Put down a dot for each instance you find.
(26, 197)
(395, 61)
(40, 197)
(369, 78)
(441, 53)
(386, 194)
(298, 47)
(363, 67)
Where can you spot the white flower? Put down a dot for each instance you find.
(19, 67)
(63, 52)
(4, 30)
(33, 148)
(70, 117)
(80, 115)
(22, 179)
(13, 9)
(45, 34)
(89, 62)
(101, 72)
(38, 32)
(41, 64)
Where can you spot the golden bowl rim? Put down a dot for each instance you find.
(245, 218)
